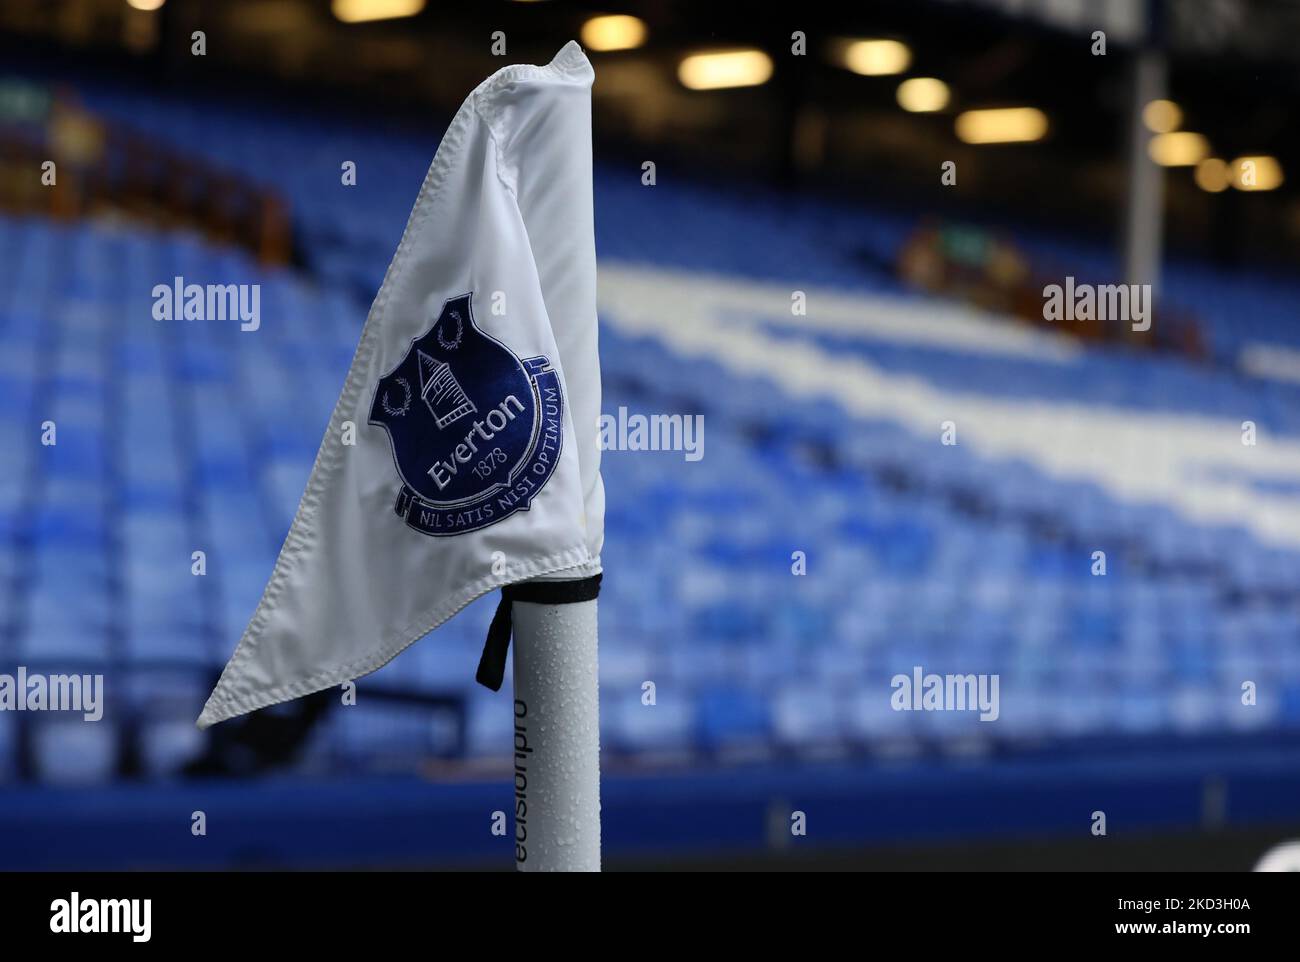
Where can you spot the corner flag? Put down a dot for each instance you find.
(462, 454)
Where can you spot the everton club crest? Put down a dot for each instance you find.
(476, 431)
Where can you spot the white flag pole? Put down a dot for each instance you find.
(557, 737)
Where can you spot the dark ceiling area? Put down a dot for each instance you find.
(812, 125)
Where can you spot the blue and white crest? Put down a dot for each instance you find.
(476, 432)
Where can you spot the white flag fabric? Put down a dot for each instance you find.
(474, 398)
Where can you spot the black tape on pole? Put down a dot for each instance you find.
(492, 666)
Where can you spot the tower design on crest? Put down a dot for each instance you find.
(446, 399)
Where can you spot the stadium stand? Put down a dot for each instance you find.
(969, 557)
